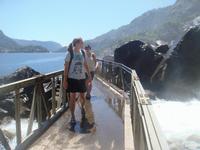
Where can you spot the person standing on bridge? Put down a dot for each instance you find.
(74, 75)
(92, 64)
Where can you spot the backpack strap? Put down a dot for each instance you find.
(71, 57)
(93, 56)
(83, 52)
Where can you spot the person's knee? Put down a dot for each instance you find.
(72, 97)
(82, 96)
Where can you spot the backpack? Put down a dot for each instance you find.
(72, 56)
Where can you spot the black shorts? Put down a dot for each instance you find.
(92, 75)
(75, 85)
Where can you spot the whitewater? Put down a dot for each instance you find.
(180, 122)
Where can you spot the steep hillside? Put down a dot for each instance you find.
(167, 24)
(8, 45)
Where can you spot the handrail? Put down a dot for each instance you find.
(147, 134)
(45, 116)
(116, 64)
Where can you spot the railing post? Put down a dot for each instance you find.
(64, 94)
(122, 79)
(45, 105)
(53, 96)
(32, 114)
(39, 106)
(131, 103)
(17, 116)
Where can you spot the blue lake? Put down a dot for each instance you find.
(42, 62)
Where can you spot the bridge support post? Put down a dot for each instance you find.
(122, 79)
(63, 92)
(17, 116)
(53, 96)
(39, 105)
(32, 114)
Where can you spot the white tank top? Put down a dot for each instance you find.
(90, 61)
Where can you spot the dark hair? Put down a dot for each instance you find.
(88, 47)
(76, 40)
(73, 43)
(70, 47)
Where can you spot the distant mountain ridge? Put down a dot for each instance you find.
(167, 24)
(8, 45)
(62, 50)
(51, 46)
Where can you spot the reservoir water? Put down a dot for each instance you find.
(42, 62)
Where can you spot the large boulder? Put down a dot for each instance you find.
(139, 56)
(6, 100)
(163, 49)
(185, 60)
(179, 76)
(183, 66)
(20, 74)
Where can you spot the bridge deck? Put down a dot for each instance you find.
(109, 133)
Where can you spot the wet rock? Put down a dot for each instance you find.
(181, 77)
(7, 108)
(20, 74)
(7, 100)
(163, 49)
(183, 73)
(139, 56)
(6, 120)
(185, 63)
(8, 134)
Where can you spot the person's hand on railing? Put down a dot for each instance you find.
(65, 84)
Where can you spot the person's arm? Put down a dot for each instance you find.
(87, 71)
(95, 60)
(66, 71)
(65, 82)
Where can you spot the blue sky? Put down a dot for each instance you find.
(62, 20)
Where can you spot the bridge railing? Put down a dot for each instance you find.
(147, 134)
(146, 131)
(45, 106)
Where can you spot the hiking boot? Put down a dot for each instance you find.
(88, 96)
(90, 125)
(73, 121)
(83, 112)
(83, 119)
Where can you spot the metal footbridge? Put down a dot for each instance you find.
(121, 110)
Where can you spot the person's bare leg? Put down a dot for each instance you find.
(89, 89)
(82, 99)
(72, 104)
